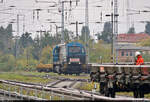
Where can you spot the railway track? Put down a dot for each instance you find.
(63, 83)
(58, 78)
(7, 95)
(73, 93)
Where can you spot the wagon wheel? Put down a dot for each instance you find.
(102, 85)
(109, 92)
(112, 92)
(141, 94)
(106, 90)
(135, 93)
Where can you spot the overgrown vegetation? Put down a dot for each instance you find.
(30, 92)
(25, 53)
(88, 86)
(18, 77)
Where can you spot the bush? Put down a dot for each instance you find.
(7, 62)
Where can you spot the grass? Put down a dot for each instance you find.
(84, 86)
(88, 86)
(18, 77)
(125, 93)
(25, 76)
(73, 76)
(30, 92)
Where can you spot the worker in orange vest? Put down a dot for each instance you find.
(140, 61)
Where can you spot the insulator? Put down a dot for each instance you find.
(101, 16)
(37, 15)
(70, 3)
(66, 16)
(33, 15)
(76, 2)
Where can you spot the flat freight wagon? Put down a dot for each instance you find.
(121, 78)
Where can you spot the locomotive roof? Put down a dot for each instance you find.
(61, 44)
(74, 44)
(69, 44)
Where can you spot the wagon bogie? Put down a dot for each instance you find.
(118, 78)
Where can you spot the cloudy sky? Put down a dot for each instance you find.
(26, 7)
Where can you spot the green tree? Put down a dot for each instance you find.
(85, 33)
(100, 49)
(36, 48)
(48, 39)
(46, 56)
(131, 30)
(7, 62)
(25, 40)
(144, 42)
(9, 30)
(147, 28)
(6, 38)
(106, 33)
(26, 60)
(67, 35)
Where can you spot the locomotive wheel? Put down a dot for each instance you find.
(57, 69)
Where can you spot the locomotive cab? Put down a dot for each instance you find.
(69, 58)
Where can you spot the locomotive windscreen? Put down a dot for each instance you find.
(74, 49)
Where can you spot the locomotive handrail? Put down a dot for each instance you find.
(125, 66)
(121, 63)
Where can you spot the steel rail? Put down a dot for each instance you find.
(76, 93)
(19, 96)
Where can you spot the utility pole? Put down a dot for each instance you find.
(62, 17)
(128, 17)
(62, 23)
(1, 1)
(23, 24)
(116, 27)
(87, 27)
(86, 15)
(18, 24)
(56, 30)
(77, 23)
(112, 43)
(17, 35)
(77, 30)
(114, 17)
(16, 41)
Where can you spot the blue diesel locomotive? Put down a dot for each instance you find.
(69, 58)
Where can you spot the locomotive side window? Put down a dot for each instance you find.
(74, 49)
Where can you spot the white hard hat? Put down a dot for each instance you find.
(137, 53)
